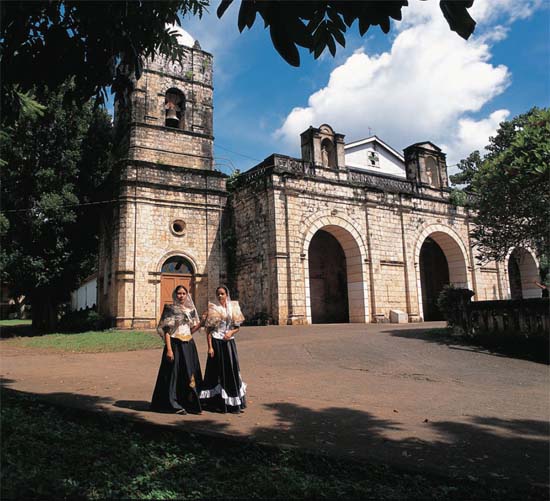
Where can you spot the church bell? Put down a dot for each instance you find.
(172, 119)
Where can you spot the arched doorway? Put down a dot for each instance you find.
(175, 271)
(522, 273)
(442, 261)
(328, 285)
(434, 275)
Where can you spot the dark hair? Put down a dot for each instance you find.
(224, 288)
(178, 287)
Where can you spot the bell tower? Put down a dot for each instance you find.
(426, 165)
(170, 112)
(164, 228)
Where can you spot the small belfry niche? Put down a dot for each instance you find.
(174, 109)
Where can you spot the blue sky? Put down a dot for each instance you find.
(420, 82)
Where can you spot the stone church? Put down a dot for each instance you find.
(356, 232)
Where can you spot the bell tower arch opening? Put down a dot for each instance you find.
(328, 153)
(174, 106)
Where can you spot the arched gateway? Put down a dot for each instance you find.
(441, 261)
(328, 284)
(522, 273)
(334, 277)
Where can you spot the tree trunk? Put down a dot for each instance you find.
(44, 311)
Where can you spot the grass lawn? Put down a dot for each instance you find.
(51, 452)
(15, 321)
(91, 341)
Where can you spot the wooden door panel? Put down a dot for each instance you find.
(169, 282)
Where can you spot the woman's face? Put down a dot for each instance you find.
(221, 295)
(181, 294)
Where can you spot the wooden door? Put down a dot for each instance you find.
(168, 282)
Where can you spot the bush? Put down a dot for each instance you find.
(452, 303)
(82, 320)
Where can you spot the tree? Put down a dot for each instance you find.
(54, 164)
(511, 185)
(318, 25)
(102, 44)
(97, 44)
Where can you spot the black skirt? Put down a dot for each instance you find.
(179, 382)
(223, 388)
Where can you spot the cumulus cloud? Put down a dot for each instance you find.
(425, 88)
(472, 134)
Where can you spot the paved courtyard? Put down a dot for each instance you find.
(384, 392)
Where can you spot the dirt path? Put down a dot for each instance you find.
(387, 393)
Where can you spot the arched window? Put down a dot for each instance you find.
(174, 108)
(177, 265)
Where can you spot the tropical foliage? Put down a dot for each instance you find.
(54, 162)
(511, 187)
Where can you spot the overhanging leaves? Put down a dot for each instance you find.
(318, 25)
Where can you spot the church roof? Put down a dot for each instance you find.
(425, 144)
(377, 140)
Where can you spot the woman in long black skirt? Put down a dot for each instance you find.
(179, 379)
(223, 387)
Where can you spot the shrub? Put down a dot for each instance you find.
(82, 320)
(452, 303)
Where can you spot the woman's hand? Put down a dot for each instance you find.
(211, 352)
(170, 355)
(229, 334)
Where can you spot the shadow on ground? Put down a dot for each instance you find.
(533, 349)
(476, 448)
(489, 448)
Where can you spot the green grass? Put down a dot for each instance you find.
(91, 341)
(15, 321)
(54, 452)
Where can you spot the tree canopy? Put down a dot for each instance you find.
(102, 44)
(54, 162)
(511, 187)
(320, 25)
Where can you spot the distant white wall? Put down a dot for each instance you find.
(85, 296)
(358, 158)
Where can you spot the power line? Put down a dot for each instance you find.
(61, 206)
(237, 153)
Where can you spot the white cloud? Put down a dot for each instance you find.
(473, 134)
(425, 88)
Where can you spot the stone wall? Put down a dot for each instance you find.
(256, 260)
(152, 197)
(190, 145)
(381, 224)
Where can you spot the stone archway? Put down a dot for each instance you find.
(344, 270)
(441, 259)
(522, 273)
(328, 285)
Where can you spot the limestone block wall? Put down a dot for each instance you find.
(189, 145)
(180, 148)
(257, 281)
(381, 234)
(152, 197)
(307, 206)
